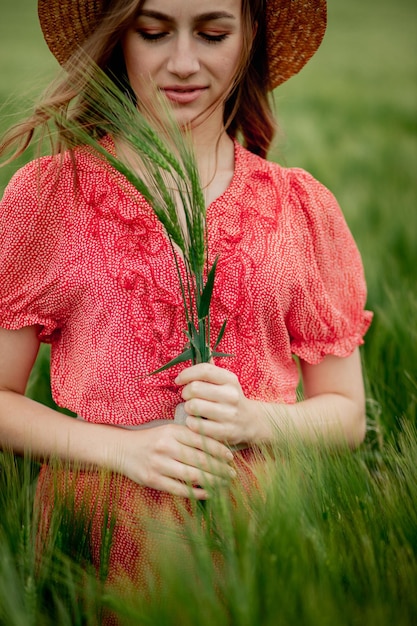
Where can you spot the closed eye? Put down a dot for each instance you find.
(151, 36)
(210, 38)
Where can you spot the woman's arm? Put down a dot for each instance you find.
(164, 458)
(332, 412)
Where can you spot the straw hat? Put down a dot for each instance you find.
(295, 29)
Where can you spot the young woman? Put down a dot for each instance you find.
(89, 269)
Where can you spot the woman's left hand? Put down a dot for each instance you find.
(214, 393)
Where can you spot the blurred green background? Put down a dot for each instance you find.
(350, 118)
(334, 540)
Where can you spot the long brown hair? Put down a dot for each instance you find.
(247, 112)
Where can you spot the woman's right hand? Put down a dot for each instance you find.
(170, 457)
(174, 459)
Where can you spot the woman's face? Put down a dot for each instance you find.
(190, 50)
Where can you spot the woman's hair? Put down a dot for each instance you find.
(247, 112)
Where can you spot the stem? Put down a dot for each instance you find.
(177, 266)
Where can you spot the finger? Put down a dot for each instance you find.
(208, 428)
(192, 476)
(212, 411)
(223, 394)
(178, 488)
(203, 462)
(208, 445)
(207, 372)
(172, 437)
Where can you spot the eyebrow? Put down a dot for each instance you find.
(204, 17)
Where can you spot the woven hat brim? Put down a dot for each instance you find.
(67, 24)
(295, 29)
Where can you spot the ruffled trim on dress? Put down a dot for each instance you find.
(15, 321)
(138, 256)
(314, 352)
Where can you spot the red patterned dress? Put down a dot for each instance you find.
(94, 269)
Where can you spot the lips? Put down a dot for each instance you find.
(183, 95)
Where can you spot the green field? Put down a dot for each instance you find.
(335, 541)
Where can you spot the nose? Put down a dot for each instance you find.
(183, 60)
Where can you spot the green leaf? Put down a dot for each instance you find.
(186, 355)
(204, 304)
(221, 354)
(220, 335)
(192, 332)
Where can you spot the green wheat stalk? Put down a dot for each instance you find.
(169, 181)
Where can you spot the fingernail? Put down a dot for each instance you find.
(232, 472)
(230, 456)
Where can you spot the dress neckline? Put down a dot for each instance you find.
(235, 183)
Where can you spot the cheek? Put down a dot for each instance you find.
(143, 78)
(143, 89)
(136, 70)
(135, 57)
(227, 70)
(231, 60)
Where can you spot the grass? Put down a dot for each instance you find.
(334, 538)
(349, 118)
(329, 539)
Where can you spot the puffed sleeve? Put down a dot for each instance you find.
(31, 227)
(328, 315)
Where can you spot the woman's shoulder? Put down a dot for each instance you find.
(48, 182)
(258, 167)
(26, 179)
(294, 187)
(44, 170)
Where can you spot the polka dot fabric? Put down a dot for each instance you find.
(143, 520)
(93, 268)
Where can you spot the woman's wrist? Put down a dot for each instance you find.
(262, 426)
